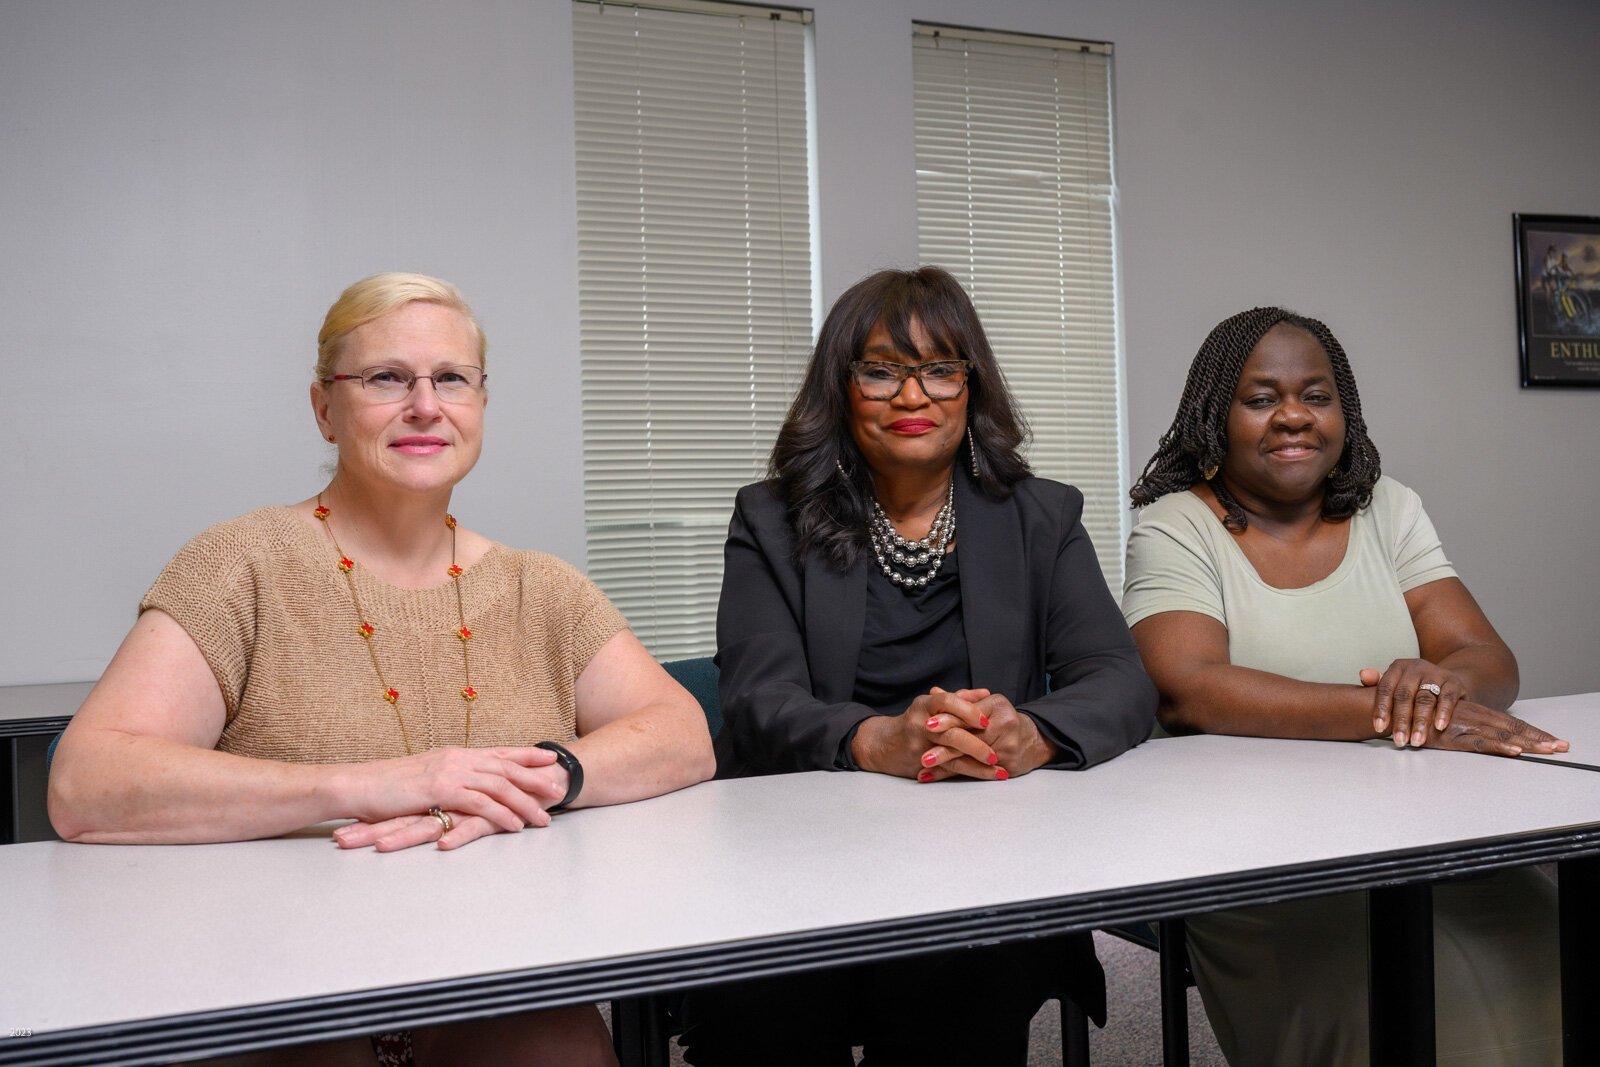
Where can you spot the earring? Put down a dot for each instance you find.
(1336, 472)
(839, 466)
(330, 438)
(972, 451)
(1209, 473)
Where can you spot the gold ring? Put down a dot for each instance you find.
(446, 823)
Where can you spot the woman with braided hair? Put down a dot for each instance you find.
(1279, 586)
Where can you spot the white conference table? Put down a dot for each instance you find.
(144, 954)
(30, 711)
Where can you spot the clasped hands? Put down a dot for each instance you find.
(483, 790)
(1404, 699)
(970, 733)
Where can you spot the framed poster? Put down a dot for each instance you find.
(1558, 285)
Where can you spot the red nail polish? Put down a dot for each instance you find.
(930, 759)
(924, 776)
(983, 722)
(932, 724)
(1000, 774)
(994, 757)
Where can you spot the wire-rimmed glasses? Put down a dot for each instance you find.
(453, 385)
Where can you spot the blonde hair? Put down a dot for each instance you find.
(376, 296)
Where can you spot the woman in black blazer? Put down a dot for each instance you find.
(852, 636)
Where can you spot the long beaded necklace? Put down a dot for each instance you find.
(927, 552)
(368, 631)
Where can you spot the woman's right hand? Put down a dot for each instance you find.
(485, 790)
(1475, 728)
(906, 746)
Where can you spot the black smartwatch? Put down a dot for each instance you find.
(574, 773)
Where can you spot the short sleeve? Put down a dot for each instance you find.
(1169, 569)
(590, 618)
(210, 589)
(1418, 556)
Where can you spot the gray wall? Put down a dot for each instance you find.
(185, 186)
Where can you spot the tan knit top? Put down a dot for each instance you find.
(264, 599)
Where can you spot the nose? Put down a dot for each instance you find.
(911, 394)
(1292, 414)
(423, 401)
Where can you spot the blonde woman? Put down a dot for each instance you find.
(361, 655)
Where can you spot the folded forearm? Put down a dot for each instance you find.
(653, 751)
(112, 787)
(1490, 672)
(1101, 710)
(1225, 699)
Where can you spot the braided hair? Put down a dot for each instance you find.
(1196, 443)
(819, 472)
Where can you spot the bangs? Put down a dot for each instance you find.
(939, 316)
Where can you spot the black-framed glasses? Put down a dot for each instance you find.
(453, 385)
(942, 379)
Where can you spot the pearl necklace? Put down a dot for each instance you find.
(887, 544)
(367, 631)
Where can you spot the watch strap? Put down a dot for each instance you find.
(574, 771)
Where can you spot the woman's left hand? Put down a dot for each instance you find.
(1406, 699)
(1476, 728)
(408, 831)
(1012, 736)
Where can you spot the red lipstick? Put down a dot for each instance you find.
(912, 427)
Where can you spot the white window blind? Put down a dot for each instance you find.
(1016, 198)
(695, 288)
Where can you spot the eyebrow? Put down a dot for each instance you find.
(1262, 379)
(886, 352)
(396, 363)
(880, 351)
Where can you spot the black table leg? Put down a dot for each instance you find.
(639, 1031)
(1580, 951)
(1074, 1034)
(1400, 975)
(1174, 994)
(10, 805)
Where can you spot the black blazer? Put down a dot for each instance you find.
(1034, 606)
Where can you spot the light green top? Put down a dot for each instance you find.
(1181, 558)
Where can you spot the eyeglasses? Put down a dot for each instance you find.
(943, 379)
(452, 385)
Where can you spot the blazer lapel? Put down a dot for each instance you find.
(994, 598)
(836, 611)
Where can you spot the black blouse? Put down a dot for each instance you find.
(910, 642)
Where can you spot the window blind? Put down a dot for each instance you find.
(1016, 198)
(695, 288)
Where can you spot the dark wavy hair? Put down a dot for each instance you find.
(1198, 438)
(829, 509)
